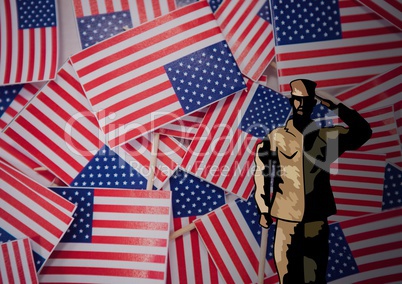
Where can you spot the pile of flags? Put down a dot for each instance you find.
(133, 159)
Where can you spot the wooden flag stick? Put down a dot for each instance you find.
(182, 231)
(263, 253)
(152, 162)
(40, 169)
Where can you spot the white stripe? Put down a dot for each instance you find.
(132, 201)
(51, 49)
(101, 7)
(86, 8)
(101, 279)
(129, 233)
(3, 42)
(15, 43)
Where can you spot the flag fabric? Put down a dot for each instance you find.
(213, 3)
(384, 139)
(62, 204)
(29, 41)
(141, 79)
(222, 152)
(118, 236)
(380, 91)
(247, 27)
(357, 180)
(338, 44)
(13, 99)
(390, 10)
(58, 130)
(232, 236)
(189, 260)
(98, 20)
(397, 107)
(366, 249)
(24, 213)
(185, 127)
(392, 197)
(17, 263)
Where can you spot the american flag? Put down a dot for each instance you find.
(53, 198)
(366, 249)
(142, 79)
(58, 130)
(222, 151)
(390, 10)
(191, 198)
(117, 236)
(17, 263)
(29, 41)
(100, 19)
(232, 236)
(213, 3)
(13, 99)
(25, 213)
(337, 43)
(357, 182)
(248, 30)
(379, 91)
(398, 118)
(392, 197)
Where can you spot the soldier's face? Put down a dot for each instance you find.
(302, 104)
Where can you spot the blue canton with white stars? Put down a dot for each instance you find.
(266, 111)
(205, 76)
(7, 95)
(250, 213)
(5, 237)
(392, 194)
(36, 14)
(96, 28)
(109, 170)
(265, 12)
(340, 261)
(80, 230)
(214, 4)
(306, 21)
(192, 196)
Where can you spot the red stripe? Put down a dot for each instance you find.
(133, 241)
(394, 91)
(350, 213)
(64, 176)
(384, 13)
(147, 194)
(229, 248)
(32, 271)
(210, 244)
(396, 4)
(125, 5)
(377, 248)
(138, 225)
(132, 134)
(55, 48)
(7, 262)
(156, 8)
(26, 230)
(245, 13)
(18, 261)
(171, 144)
(336, 51)
(391, 278)
(379, 146)
(142, 11)
(360, 202)
(171, 5)
(9, 42)
(137, 31)
(340, 66)
(195, 244)
(42, 54)
(180, 253)
(354, 178)
(104, 255)
(352, 190)
(94, 8)
(109, 7)
(351, 80)
(137, 209)
(223, 8)
(96, 271)
(20, 59)
(78, 8)
(32, 53)
(372, 218)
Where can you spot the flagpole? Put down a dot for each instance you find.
(152, 162)
(263, 253)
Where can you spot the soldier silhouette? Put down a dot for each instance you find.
(302, 198)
